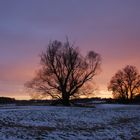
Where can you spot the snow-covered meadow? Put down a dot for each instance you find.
(104, 122)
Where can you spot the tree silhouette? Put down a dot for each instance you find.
(64, 71)
(126, 83)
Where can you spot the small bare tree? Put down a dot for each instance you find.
(126, 83)
(64, 71)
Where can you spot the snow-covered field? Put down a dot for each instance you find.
(105, 122)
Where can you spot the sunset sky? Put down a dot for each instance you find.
(109, 27)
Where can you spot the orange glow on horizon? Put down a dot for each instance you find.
(101, 94)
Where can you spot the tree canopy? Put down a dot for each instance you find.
(125, 84)
(64, 71)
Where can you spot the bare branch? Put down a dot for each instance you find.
(64, 70)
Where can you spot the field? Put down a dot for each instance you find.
(104, 122)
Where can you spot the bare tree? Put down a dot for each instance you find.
(64, 71)
(126, 83)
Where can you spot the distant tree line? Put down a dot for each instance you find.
(77, 102)
(6, 100)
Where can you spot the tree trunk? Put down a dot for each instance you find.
(131, 96)
(65, 99)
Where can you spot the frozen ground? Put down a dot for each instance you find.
(105, 122)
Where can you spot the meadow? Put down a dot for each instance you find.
(104, 122)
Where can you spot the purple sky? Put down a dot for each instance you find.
(110, 27)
